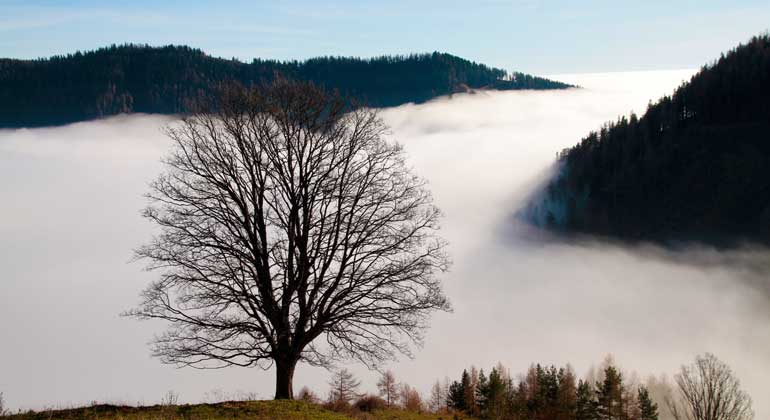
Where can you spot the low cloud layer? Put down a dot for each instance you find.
(70, 218)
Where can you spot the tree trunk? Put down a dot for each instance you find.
(284, 379)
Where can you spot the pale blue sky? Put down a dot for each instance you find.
(537, 36)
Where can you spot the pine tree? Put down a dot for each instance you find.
(566, 395)
(456, 394)
(610, 403)
(585, 403)
(647, 408)
(519, 401)
(495, 394)
(481, 391)
(469, 393)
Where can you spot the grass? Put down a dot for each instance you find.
(396, 414)
(235, 410)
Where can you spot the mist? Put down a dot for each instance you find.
(70, 219)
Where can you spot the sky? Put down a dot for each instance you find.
(534, 36)
(71, 217)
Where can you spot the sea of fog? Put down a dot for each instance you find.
(69, 220)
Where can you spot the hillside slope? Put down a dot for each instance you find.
(234, 410)
(696, 166)
(140, 78)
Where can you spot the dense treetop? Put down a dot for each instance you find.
(550, 393)
(141, 78)
(696, 166)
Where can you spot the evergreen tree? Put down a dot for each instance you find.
(585, 402)
(472, 398)
(535, 400)
(481, 391)
(469, 392)
(648, 410)
(455, 395)
(519, 409)
(495, 395)
(566, 395)
(610, 403)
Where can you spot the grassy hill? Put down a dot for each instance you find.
(233, 410)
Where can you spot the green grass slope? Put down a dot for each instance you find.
(235, 410)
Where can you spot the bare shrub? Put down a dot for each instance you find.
(247, 396)
(170, 398)
(305, 394)
(368, 403)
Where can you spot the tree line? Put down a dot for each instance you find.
(704, 390)
(140, 78)
(550, 393)
(696, 165)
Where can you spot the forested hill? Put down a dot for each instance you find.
(140, 78)
(696, 166)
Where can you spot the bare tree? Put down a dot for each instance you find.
(445, 392)
(410, 398)
(662, 393)
(344, 388)
(710, 391)
(388, 387)
(286, 216)
(437, 398)
(3, 410)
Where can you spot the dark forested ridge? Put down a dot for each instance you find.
(696, 166)
(140, 78)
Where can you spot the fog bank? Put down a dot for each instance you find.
(70, 218)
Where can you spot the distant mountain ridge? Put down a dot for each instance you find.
(695, 167)
(140, 78)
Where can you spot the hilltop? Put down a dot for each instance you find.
(232, 410)
(694, 167)
(162, 80)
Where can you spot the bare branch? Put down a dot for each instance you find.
(710, 391)
(286, 217)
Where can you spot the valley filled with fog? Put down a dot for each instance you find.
(70, 219)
